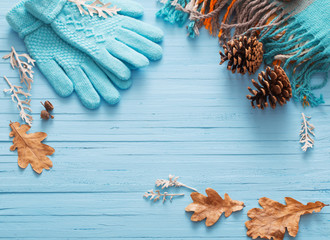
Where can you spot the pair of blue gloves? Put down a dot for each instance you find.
(90, 55)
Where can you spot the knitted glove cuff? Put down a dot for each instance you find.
(21, 21)
(45, 10)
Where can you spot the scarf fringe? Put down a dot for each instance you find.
(170, 14)
(219, 17)
(301, 54)
(199, 13)
(286, 41)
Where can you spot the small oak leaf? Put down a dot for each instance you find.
(273, 218)
(29, 147)
(212, 206)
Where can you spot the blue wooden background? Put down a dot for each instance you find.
(184, 115)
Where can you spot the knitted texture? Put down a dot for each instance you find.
(66, 68)
(23, 28)
(302, 45)
(112, 42)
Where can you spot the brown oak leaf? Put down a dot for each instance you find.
(273, 218)
(212, 206)
(29, 147)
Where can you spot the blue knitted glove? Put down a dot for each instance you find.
(66, 68)
(111, 41)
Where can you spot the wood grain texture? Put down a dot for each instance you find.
(184, 115)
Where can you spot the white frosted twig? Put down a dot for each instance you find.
(97, 7)
(172, 182)
(157, 195)
(24, 67)
(173, 2)
(21, 104)
(306, 133)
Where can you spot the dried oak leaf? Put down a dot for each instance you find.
(212, 206)
(29, 147)
(271, 221)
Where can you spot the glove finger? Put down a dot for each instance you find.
(112, 64)
(128, 8)
(116, 81)
(122, 84)
(146, 30)
(101, 83)
(126, 54)
(84, 89)
(142, 45)
(56, 77)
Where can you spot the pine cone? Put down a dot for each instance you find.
(274, 86)
(244, 54)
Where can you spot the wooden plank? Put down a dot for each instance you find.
(184, 115)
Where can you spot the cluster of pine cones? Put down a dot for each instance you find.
(245, 55)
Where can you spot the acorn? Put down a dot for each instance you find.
(44, 115)
(48, 106)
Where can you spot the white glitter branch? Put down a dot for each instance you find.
(22, 105)
(24, 67)
(97, 7)
(157, 195)
(306, 133)
(163, 1)
(172, 182)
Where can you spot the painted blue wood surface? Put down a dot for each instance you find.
(184, 115)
